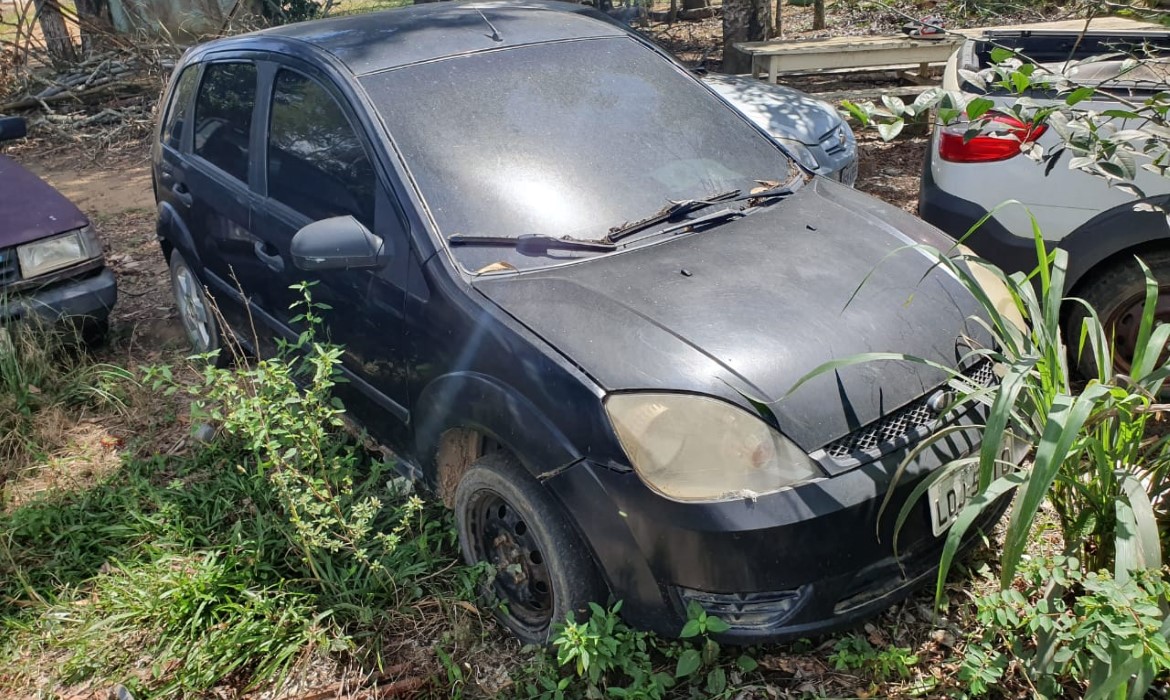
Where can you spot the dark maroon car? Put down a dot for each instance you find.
(51, 264)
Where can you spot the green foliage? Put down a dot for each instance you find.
(855, 653)
(608, 655)
(1112, 144)
(609, 659)
(279, 540)
(44, 368)
(191, 616)
(282, 411)
(1062, 628)
(1094, 448)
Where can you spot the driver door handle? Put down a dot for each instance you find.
(182, 193)
(274, 262)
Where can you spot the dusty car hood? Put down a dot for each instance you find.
(781, 111)
(30, 208)
(752, 306)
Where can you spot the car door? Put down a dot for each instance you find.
(171, 187)
(215, 186)
(318, 165)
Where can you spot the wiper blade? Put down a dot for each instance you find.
(760, 196)
(714, 217)
(669, 213)
(533, 243)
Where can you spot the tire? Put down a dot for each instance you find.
(1118, 293)
(544, 571)
(196, 312)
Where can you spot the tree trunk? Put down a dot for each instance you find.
(818, 14)
(93, 20)
(778, 20)
(743, 20)
(57, 39)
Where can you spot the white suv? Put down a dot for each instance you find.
(964, 179)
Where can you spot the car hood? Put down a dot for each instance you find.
(781, 111)
(745, 310)
(30, 208)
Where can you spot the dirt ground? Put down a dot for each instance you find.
(116, 194)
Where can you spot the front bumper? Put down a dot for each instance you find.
(87, 297)
(837, 161)
(788, 565)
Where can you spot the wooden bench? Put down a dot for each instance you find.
(772, 58)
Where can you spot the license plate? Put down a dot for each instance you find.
(947, 496)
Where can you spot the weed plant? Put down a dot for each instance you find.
(229, 565)
(44, 369)
(1096, 456)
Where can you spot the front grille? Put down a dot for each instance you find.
(834, 141)
(9, 268)
(908, 421)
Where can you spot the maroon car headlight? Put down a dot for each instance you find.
(696, 448)
(57, 252)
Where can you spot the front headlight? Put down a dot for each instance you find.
(800, 152)
(48, 254)
(695, 448)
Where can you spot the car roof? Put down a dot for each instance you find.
(376, 41)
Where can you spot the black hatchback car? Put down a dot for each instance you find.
(575, 287)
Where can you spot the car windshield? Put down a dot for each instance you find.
(563, 139)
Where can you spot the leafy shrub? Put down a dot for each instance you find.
(1063, 628)
(609, 658)
(341, 520)
(855, 653)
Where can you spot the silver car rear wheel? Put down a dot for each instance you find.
(195, 309)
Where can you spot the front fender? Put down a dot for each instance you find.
(499, 411)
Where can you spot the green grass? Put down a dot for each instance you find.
(184, 563)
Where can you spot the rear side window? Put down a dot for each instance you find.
(179, 106)
(316, 162)
(223, 116)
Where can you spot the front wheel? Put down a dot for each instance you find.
(543, 572)
(1118, 293)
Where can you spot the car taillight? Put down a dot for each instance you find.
(1002, 144)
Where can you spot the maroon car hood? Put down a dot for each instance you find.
(30, 208)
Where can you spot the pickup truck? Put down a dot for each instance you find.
(965, 178)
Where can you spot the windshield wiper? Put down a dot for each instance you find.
(533, 243)
(669, 213)
(758, 197)
(715, 217)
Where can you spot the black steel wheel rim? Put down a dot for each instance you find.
(500, 536)
(1124, 322)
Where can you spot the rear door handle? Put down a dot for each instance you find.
(274, 262)
(182, 193)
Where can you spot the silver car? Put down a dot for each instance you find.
(811, 130)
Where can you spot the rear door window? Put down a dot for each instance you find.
(317, 164)
(223, 116)
(178, 108)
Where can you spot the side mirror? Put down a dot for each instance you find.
(12, 128)
(339, 243)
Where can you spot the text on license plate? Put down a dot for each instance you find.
(946, 497)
